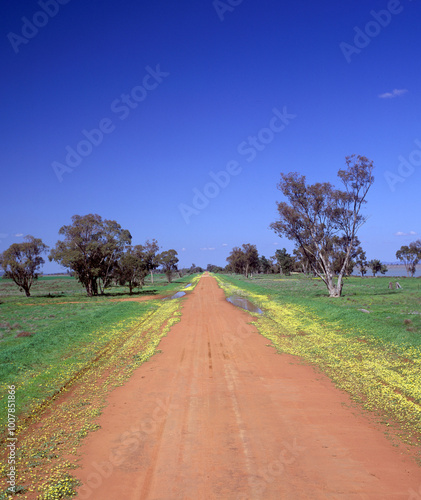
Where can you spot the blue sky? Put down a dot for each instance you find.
(156, 99)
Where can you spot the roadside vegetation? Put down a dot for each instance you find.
(368, 341)
(60, 341)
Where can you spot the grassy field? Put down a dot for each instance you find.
(368, 341)
(47, 338)
(59, 341)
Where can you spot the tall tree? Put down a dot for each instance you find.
(318, 212)
(265, 265)
(236, 261)
(114, 242)
(21, 262)
(244, 260)
(361, 263)
(132, 268)
(410, 256)
(284, 260)
(151, 249)
(91, 248)
(251, 259)
(169, 260)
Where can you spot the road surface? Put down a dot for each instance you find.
(218, 414)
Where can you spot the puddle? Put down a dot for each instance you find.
(187, 285)
(175, 296)
(244, 304)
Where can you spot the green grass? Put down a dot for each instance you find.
(68, 288)
(395, 315)
(46, 339)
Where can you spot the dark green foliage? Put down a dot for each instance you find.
(169, 261)
(244, 260)
(91, 249)
(21, 262)
(284, 260)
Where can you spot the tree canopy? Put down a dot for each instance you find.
(377, 267)
(284, 260)
(132, 268)
(265, 265)
(169, 261)
(91, 248)
(244, 260)
(21, 262)
(150, 251)
(410, 256)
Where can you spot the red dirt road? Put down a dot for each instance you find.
(219, 415)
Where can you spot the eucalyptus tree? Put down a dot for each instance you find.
(410, 255)
(91, 248)
(21, 262)
(244, 260)
(315, 214)
(169, 261)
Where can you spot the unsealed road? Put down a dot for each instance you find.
(220, 415)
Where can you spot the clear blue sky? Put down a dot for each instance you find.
(182, 89)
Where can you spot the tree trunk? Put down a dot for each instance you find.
(334, 290)
(151, 276)
(27, 293)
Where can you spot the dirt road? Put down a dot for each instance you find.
(218, 414)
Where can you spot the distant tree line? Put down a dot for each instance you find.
(245, 262)
(97, 252)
